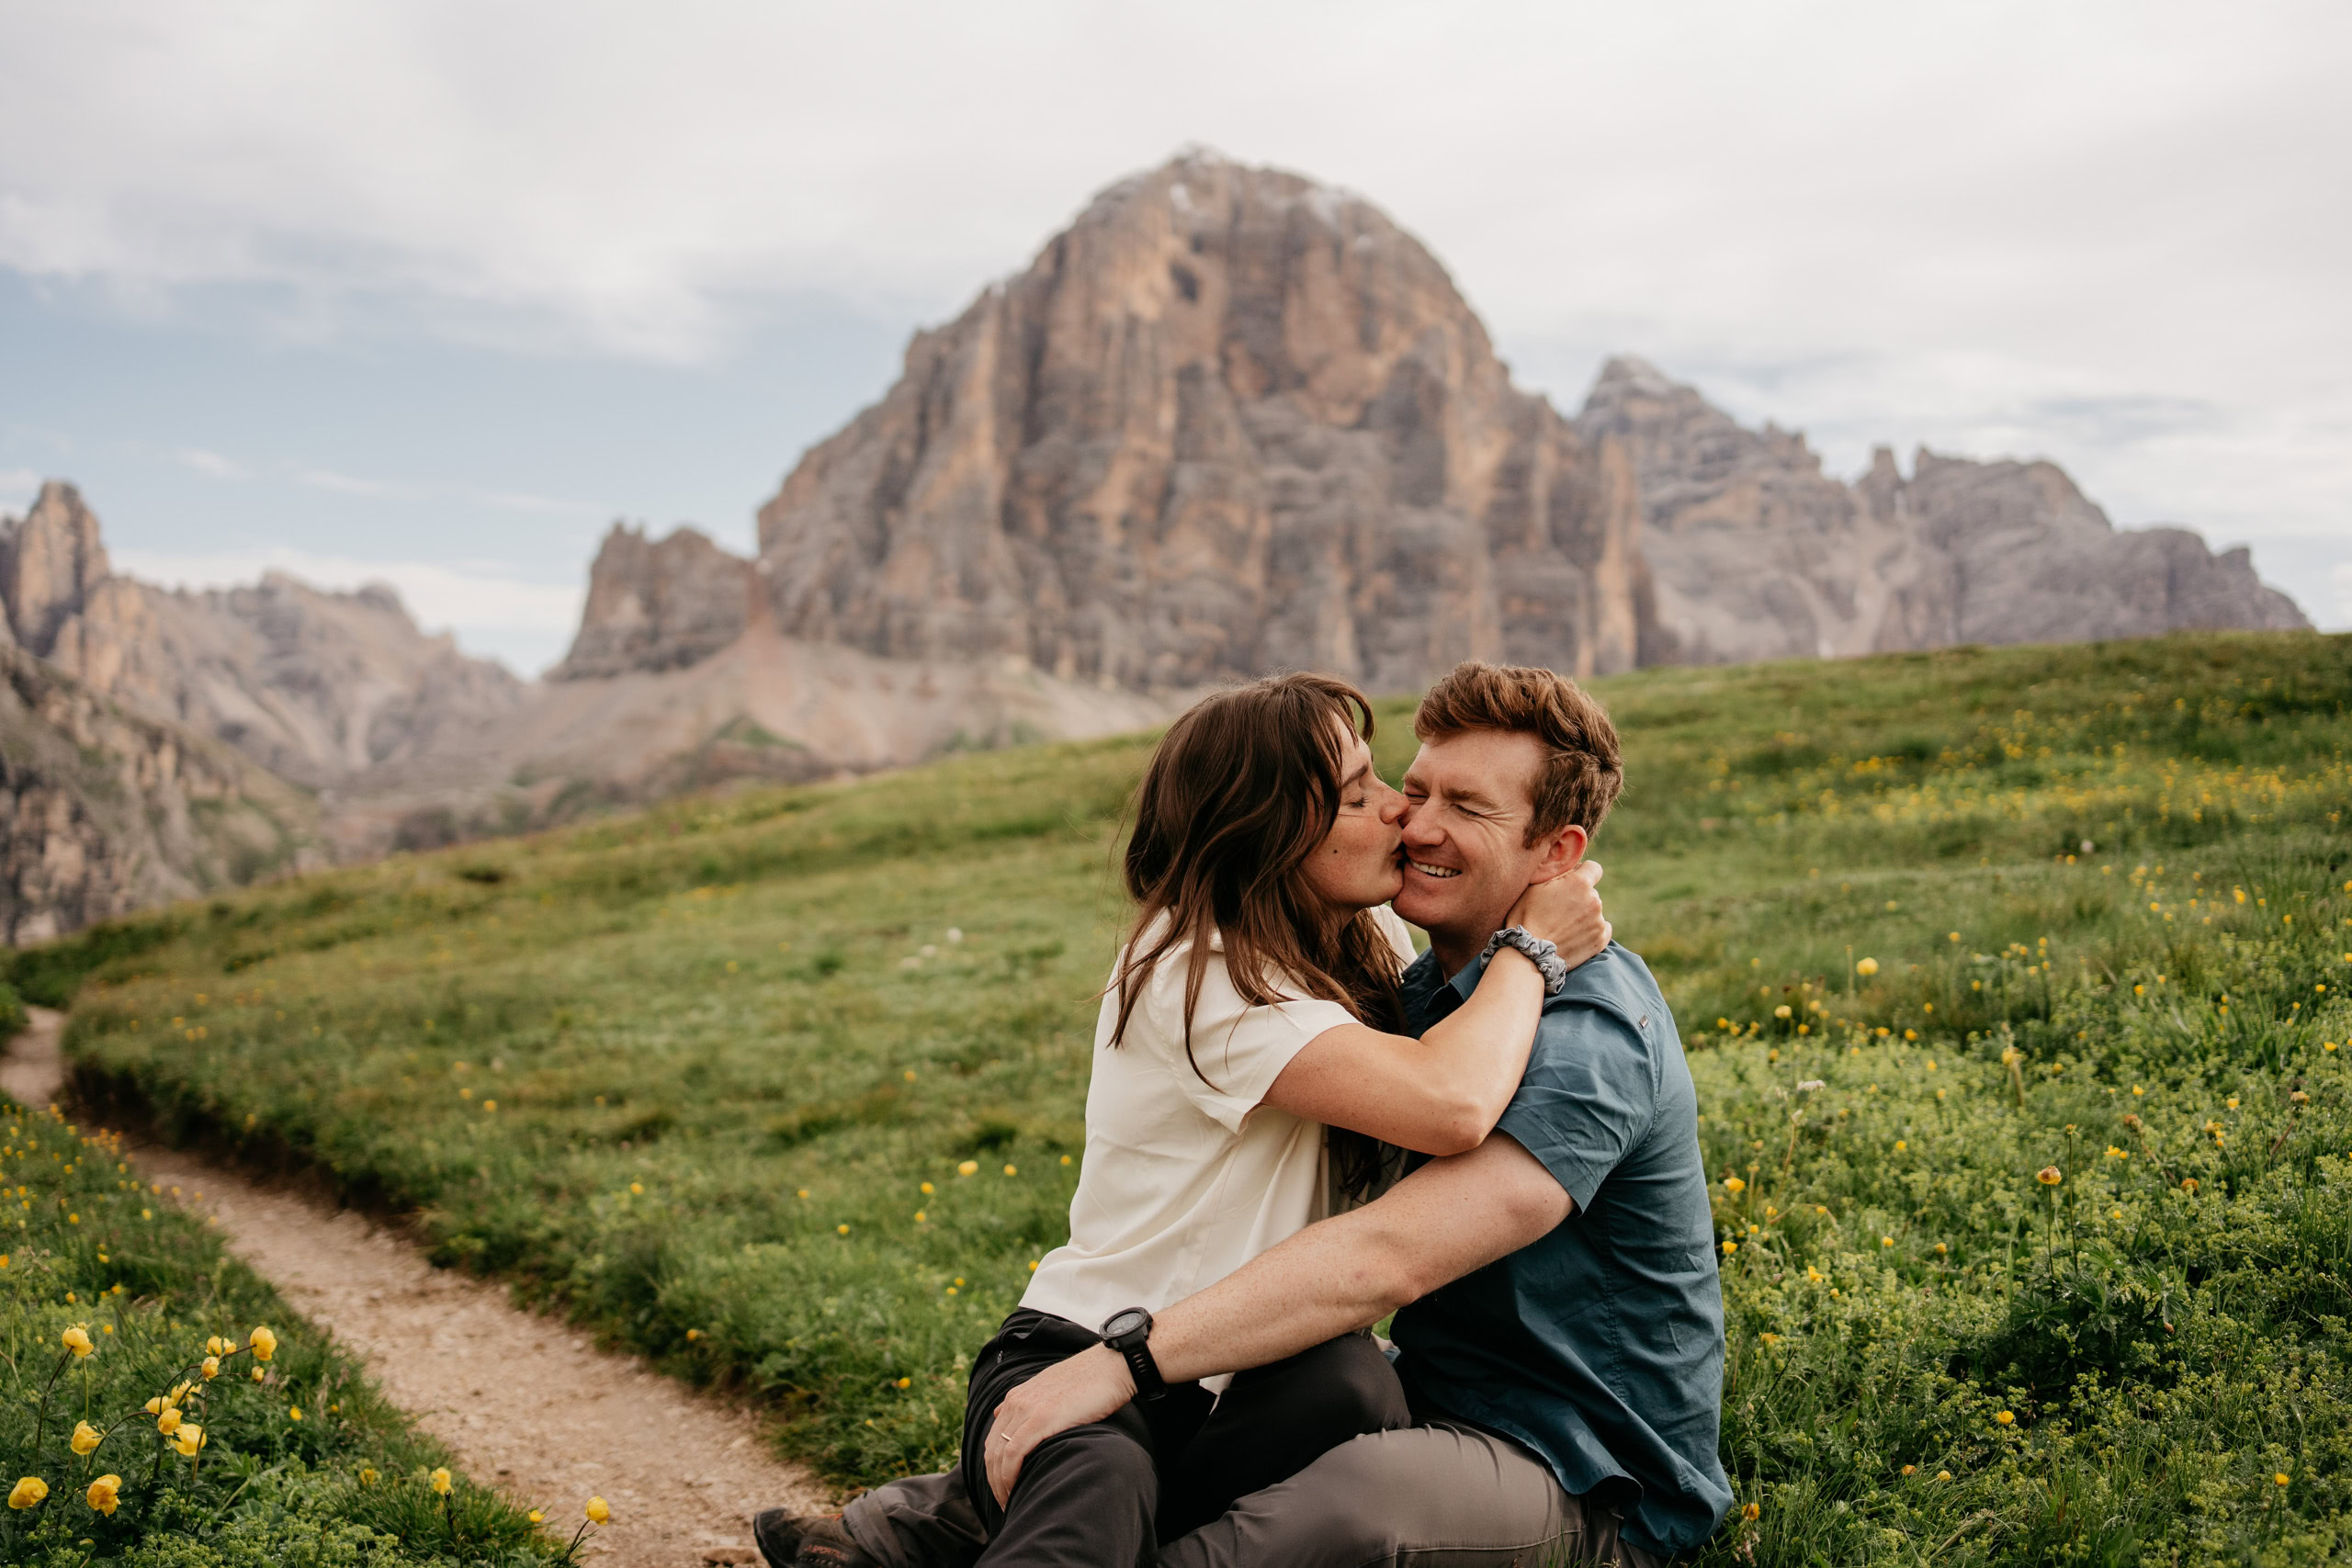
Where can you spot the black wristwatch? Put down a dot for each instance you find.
(1129, 1333)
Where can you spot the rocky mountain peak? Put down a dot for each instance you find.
(1758, 554)
(315, 686)
(657, 605)
(50, 560)
(1229, 421)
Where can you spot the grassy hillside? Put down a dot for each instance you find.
(782, 1088)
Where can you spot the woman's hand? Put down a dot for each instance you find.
(1566, 911)
(1090, 1386)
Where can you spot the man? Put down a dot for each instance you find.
(1560, 1335)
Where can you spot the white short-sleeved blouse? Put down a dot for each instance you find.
(1188, 1175)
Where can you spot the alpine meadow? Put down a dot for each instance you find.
(2013, 981)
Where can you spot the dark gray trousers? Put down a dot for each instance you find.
(1436, 1496)
(1104, 1495)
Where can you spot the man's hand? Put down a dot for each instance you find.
(1090, 1386)
(1567, 912)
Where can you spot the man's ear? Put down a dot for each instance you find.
(1562, 853)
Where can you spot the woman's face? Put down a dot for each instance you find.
(1359, 864)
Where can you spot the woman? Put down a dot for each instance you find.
(1247, 1070)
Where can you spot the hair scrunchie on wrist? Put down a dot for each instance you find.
(1542, 955)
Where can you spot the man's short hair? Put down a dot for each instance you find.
(1582, 769)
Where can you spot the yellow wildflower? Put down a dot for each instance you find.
(188, 1439)
(1735, 1185)
(293, 1413)
(2050, 1175)
(441, 1481)
(85, 1436)
(1865, 968)
(27, 1493)
(105, 1493)
(598, 1514)
(211, 1368)
(1753, 1512)
(2003, 1418)
(970, 1167)
(367, 1475)
(77, 1339)
(264, 1344)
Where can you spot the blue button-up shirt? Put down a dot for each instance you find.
(1600, 1347)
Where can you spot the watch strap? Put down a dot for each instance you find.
(1135, 1346)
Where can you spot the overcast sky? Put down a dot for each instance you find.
(433, 291)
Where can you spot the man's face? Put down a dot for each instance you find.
(1469, 799)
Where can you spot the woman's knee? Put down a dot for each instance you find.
(1351, 1388)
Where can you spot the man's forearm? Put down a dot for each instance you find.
(1446, 1219)
(1343, 1274)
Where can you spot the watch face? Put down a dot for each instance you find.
(1125, 1323)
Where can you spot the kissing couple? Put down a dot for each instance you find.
(1296, 1128)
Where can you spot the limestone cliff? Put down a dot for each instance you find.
(656, 605)
(319, 687)
(1758, 554)
(104, 810)
(1228, 422)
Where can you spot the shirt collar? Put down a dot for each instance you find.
(1429, 995)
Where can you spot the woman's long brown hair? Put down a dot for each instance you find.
(1239, 793)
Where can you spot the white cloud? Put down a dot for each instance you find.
(348, 484)
(17, 488)
(489, 604)
(211, 465)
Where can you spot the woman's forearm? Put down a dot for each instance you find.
(1438, 1095)
(1482, 1047)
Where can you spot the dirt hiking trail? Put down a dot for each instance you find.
(527, 1403)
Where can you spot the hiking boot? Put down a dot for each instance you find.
(813, 1541)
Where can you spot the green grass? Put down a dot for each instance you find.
(729, 1042)
(307, 1465)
